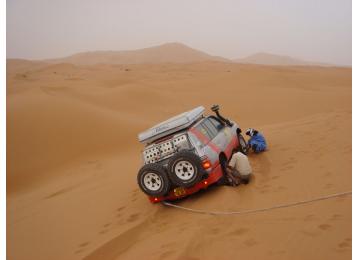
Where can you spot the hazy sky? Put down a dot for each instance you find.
(316, 30)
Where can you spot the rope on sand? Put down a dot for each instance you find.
(243, 212)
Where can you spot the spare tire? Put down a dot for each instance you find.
(185, 169)
(153, 180)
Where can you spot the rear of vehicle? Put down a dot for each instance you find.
(184, 154)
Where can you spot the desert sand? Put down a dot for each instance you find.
(73, 157)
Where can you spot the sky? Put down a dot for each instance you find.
(312, 30)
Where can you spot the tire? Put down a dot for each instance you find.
(185, 169)
(243, 147)
(153, 180)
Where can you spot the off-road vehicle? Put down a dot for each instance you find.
(187, 153)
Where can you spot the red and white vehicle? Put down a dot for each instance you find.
(187, 153)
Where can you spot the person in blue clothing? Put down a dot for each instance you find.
(257, 141)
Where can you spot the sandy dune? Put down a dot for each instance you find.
(280, 60)
(168, 52)
(73, 156)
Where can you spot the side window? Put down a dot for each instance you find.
(210, 128)
(216, 123)
(202, 129)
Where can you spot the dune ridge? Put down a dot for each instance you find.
(279, 60)
(165, 53)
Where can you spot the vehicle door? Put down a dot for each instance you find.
(218, 131)
(224, 136)
(204, 137)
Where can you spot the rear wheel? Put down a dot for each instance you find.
(185, 169)
(153, 181)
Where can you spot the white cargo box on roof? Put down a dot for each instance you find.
(171, 125)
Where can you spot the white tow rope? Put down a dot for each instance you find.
(243, 212)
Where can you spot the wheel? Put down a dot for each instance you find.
(185, 169)
(243, 145)
(153, 181)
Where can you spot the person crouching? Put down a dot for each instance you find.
(238, 169)
(257, 141)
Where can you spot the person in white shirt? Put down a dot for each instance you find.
(239, 169)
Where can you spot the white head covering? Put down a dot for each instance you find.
(250, 131)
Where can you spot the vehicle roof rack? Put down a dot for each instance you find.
(171, 125)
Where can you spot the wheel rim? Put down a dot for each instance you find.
(184, 170)
(242, 143)
(152, 181)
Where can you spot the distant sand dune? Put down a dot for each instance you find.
(282, 60)
(166, 53)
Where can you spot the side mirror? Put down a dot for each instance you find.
(215, 108)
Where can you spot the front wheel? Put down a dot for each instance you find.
(243, 147)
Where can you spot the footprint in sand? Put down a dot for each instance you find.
(310, 233)
(79, 251)
(120, 209)
(301, 152)
(214, 231)
(92, 162)
(84, 244)
(281, 188)
(324, 226)
(289, 164)
(118, 212)
(104, 231)
(134, 195)
(95, 163)
(309, 217)
(283, 149)
(107, 225)
(133, 217)
(336, 217)
(81, 247)
(345, 244)
(238, 232)
(327, 174)
(250, 242)
(285, 168)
